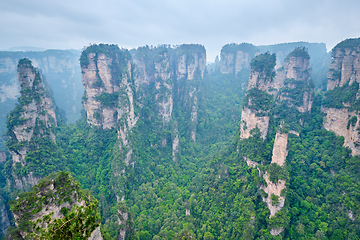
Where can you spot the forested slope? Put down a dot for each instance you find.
(172, 151)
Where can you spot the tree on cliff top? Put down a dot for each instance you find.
(264, 63)
(62, 191)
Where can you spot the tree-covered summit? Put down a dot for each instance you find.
(264, 64)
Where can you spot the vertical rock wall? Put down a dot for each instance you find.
(342, 114)
(36, 111)
(289, 89)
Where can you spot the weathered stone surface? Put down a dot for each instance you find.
(249, 118)
(40, 109)
(273, 188)
(336, 120)
(344, 67)
(297, 68)
(280, 152)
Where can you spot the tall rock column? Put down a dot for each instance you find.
(29, 125)
(109, 102)
(190, 67)
(341, 103)
(274, 106)
(258, 100)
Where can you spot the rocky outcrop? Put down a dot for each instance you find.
(273, 189)
(279, 149)
(63, 75)
(270, 102)
(236, 57)
(343, 80)
(150, 80)
(53, 197)
(104, 76)
(255, 113)
(190, 66)
(249, 121)
(33, 118)
(176, 74)
(5, 219)
(339, 121)
(345, 64)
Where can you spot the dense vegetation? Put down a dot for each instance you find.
(299, 52)
(350, 43)
(343, 97)
(208, 191)
(264, 64)
(57, 190)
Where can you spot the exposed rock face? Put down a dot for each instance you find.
(63, 75)
(5, 219)
(255, 114)
(34, 117)
(279, 149)
(289, 90)
(273, 188)
(297, 67)
(344, 66)
(235, 58)
(337, 120)
(344, 71)
(176, 74)
(110, 87)
(102, 85)
(116, 83)
(164, 84)
(249, 121)
(34, 205)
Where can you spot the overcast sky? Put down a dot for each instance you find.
(73, 24)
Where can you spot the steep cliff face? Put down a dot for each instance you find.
(108, 88)
(257, 101)
(275, 102)
(56, 202)
(176, 75)
(342, 100)
(235, 58)
(346, 124)
(34, 117)
(143, 93)
(63, 75)
(345, 64)
(191, 63)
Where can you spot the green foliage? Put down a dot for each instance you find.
(352, 121)
(110, 50)
(345, 94)
(210, 178)
(108, 99)
(299, 52)
(258, 100)
(54, 190)
(233, 48)
(25, 62)
(350, 43)
(79, 223)
(264, 64)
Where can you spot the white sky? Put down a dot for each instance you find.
(73, 24)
